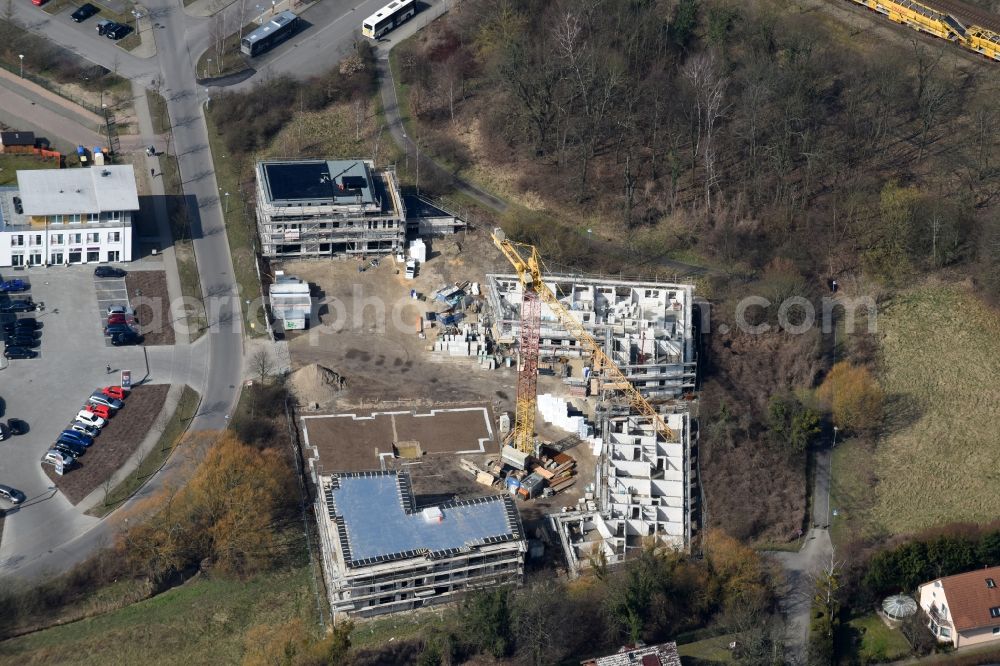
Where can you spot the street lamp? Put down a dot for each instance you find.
(208, 67)
(21, 56)
(260, 19)
(227, 203)
(835, 429)
(273, 3)
(138, 15)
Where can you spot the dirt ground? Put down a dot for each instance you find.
(117, 441)
(368, 323)
(155, 326)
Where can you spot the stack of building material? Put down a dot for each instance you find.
(559, 413)
(558, 470)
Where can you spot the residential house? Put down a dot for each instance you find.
(664, 654)
(17, 142)
(964, 609)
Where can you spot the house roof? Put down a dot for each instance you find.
(78, 191)
(664, 654)
(17, 138)
(970, 598)
(378, 522)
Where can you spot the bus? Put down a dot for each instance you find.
(387, 18)
(272, 33)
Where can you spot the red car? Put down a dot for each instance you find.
(38, 3)
(100, 410)
(117, 318)
(116, 392)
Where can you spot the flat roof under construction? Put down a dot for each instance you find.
(377, 520)
(318, 182)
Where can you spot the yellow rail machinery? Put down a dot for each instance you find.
(527, 264)
(918, 16)
(983, 41)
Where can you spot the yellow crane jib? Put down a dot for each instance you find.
(527, 265)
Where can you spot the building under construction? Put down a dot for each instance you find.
(315, 208)
(644, 490)
(644, 327)
(381, 554)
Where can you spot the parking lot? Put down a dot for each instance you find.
(48, 391)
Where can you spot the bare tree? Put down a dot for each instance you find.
(262, 364)
(360, 111)
(709, 88)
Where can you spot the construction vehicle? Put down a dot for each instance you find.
(925, 19)
(527, 264)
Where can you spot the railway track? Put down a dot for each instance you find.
(966, 13)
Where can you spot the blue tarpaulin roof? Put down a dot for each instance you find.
(377, 521)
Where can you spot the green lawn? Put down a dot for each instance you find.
(10, 164)
(158, 112)
(151, 464)
(879, 643)
(940, 362)
(233, 61)
(714, 649)
(201, 622)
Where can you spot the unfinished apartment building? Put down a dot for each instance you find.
(381, 554)
(323, 208)
(645, 327)
(643, 486)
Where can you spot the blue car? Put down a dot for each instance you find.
(9, 286)
(76, 436)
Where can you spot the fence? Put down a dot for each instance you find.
(50, 86)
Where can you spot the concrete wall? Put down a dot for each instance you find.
(978, 636)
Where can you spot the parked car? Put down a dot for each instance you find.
(103, 25)
(83, 428)
(19, 305)
(69, 448)
(17, 427)
(87, 417)
(117, 32)
(126, 338)
(98, 398)
(100, 410)
(114, 329)
(19, 352)
(77, 436)
(38, 3)
(109, 272)
(23, 331)
(116, 392)
(117, 318)
(12, 495)
(4, 432)
(119, 309)
(52, 456)
(84, 13)
(11, 286)
(27, 323)
(28, 341)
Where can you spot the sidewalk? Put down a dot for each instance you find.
(205, 8)
(27, 106)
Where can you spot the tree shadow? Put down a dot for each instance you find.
(901, 411)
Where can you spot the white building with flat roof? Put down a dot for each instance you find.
(68, 216)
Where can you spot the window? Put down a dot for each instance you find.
(56, 219)
(995, 611)
(17, 240)
(114, 236)
(76, 238)
(93, 217)
(990, 583)
(38, 239)
(74, 218)
(57, 258)
(94, 238)
(56, 239)
(113, 215)
(17, 260)
(945, 632)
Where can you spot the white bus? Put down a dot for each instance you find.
(392, 15)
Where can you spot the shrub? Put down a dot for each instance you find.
(853, 397)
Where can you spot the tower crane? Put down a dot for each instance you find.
(527, 264)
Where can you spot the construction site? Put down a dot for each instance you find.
(441, 388)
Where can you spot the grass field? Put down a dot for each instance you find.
(878, 643)
(201, 622)
(710, 650)
(10, 164)
(940, 359)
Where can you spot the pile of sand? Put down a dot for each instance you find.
(315, 384)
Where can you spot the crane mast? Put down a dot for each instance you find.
(527, 264)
